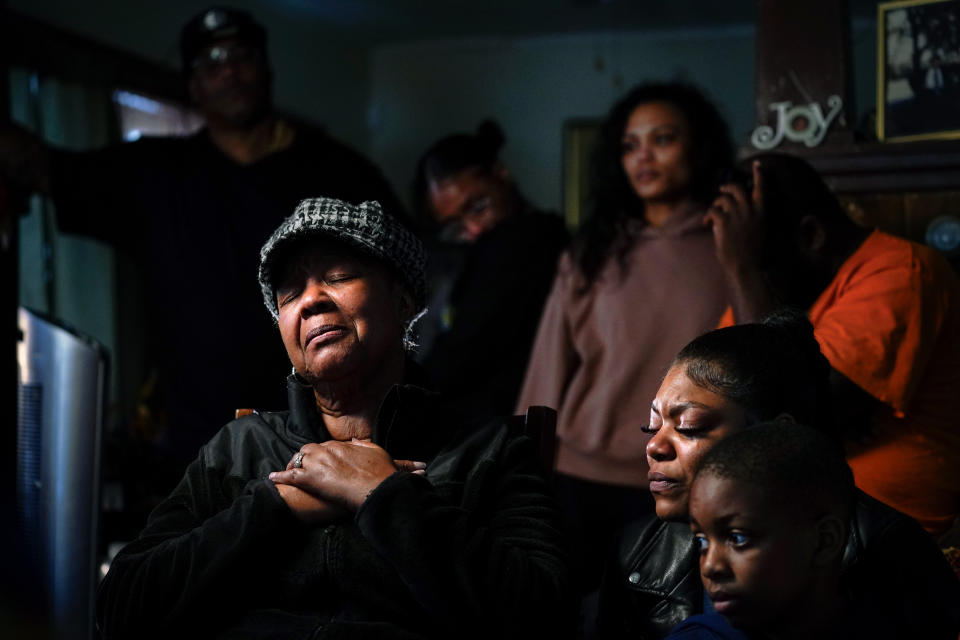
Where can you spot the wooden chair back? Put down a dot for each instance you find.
(540, 425)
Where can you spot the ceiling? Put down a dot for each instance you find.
(150, 27)
(373, 22)
(383, 21)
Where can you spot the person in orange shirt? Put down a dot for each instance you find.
(886, 312)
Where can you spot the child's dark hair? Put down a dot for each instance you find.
(768, 368)
(803, 467)
(456, 153)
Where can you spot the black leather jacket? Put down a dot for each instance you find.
(471, 549)
(889, 560)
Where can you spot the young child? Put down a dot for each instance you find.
(769, 509)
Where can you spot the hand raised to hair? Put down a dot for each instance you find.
(343, 473)
(737, 221)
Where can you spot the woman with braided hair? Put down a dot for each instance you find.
(510, 252)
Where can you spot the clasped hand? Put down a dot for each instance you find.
(336, 477)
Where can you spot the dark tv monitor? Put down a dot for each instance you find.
(61, 400)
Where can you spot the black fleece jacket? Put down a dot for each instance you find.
(470, 549)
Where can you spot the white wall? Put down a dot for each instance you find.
(82, 270)
(531, 86)
(394, 101)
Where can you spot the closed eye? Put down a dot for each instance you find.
(334, 278)
(692, 431)
(697, 425)
(477, 206)
(287, 296)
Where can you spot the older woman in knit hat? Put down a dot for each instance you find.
(359, 512)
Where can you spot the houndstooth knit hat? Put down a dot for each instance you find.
(364, 226)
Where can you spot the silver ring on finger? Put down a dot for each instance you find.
(298, 460)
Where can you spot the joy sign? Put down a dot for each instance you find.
(800, 123)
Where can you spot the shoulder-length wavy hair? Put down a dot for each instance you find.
(612, 200)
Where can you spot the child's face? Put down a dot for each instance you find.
(756, 560)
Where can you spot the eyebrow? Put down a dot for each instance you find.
(726, 519)
(472, 199)
(722, 521)
(680, 407)
(655, 129)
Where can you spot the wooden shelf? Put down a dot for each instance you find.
(889, 167)
(878, 167)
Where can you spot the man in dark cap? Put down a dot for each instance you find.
(224, 58)
(193, 213)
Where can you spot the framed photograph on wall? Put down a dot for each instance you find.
(579, 138)
(918, 70)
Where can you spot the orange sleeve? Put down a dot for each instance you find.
(727, 319)
(878, 324)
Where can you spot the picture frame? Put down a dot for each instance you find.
(918, 70)
(579, 138)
